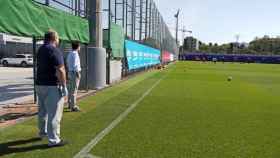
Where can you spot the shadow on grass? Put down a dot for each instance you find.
(14, 116)
(11, 147)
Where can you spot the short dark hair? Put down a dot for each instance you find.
(50, 36)
(75, 45)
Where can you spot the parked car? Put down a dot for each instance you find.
(23, 60)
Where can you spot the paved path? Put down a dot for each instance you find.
(16, 85)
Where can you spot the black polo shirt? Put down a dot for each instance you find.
(48, 59)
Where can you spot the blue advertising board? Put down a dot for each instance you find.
(139, 56)
(248, 58)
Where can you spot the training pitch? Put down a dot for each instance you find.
(189, 110)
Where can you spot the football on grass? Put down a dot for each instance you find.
(229, 78)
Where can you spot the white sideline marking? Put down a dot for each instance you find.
(84, 152)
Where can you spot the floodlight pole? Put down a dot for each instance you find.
(177, 25)
(95, 21)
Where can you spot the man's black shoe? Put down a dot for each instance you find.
(75, 109)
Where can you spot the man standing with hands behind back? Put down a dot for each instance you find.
(74, 76)
(51, 89)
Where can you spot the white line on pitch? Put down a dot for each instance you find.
(84, 152)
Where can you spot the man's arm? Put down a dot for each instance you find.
(61, 75)
(77, 64)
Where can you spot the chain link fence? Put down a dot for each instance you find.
(140, 20)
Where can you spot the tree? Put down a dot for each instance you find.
(259, 46)
(266, 45)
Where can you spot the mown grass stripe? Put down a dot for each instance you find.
(112, 125)
(91, 156)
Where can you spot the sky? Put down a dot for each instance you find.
(220, 21)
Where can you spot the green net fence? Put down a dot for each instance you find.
(27, 18)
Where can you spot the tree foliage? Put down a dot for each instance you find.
(259, 46)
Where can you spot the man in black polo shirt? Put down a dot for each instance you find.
(51, 89)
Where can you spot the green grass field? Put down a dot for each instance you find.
(194, 112)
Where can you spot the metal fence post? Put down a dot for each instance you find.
(34, 41)
(146, 19)
(126, 18)
(86, 51)
(141, 20)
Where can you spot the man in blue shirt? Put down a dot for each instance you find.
(51, 89)
(74, 76)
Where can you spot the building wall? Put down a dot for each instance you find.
(115, 71)
(191, 44)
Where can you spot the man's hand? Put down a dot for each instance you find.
(78, 74)
(64, 91)
(61, 74)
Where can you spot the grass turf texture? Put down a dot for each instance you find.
(193, 112)
(78, 128)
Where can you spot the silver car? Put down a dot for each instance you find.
(23, 60)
